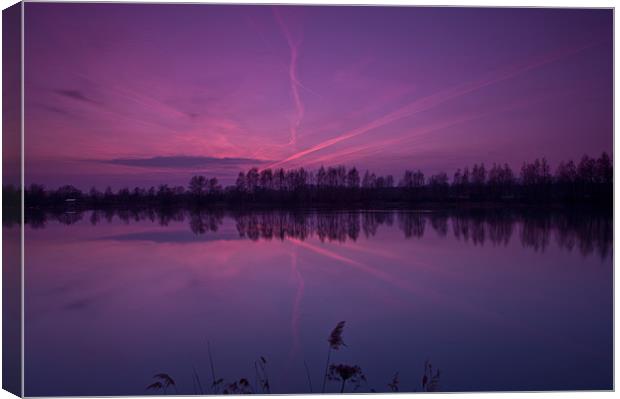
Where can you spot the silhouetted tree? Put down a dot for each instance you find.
(591, 181)
(266, 179)
(240, 182)
(353, 178)
(604, 170)
(198, 186)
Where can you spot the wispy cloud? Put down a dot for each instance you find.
(172, 236)
(53, 109)
(76, 95)
(184, 162)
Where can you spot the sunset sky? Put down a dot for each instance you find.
(137, 94)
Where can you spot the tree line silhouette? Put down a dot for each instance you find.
(588, 231)
(589, 181)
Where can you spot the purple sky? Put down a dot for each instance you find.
(140, 94)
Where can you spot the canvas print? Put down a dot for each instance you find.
(286, 199)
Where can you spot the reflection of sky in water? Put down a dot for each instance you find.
(107, 306)
(11, 310)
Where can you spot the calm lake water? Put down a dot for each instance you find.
(495, 300)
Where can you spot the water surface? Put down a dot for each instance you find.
(496, 300)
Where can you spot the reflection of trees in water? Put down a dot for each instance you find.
(584, 231)
(412, 223)
(481, 228)
(331, 226)
(201, 222)
(534, 233)
(37, 219)
(469, 228)
(588, 234)
(500, 229)
(272, 225)
(439, 224)
(372, 220)
(335, 226)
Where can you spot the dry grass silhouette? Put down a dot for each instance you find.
(393, 385)
(164, 381)
(430, 381)
(335, 338)
(335, 342)
(240, 387)
(261, 375)
(346, 375)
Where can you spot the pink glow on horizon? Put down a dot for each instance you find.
(397, 89)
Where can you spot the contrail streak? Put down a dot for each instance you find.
(439, 98)
(296, 315)
(294, 80)
(419, 133)
(421, 291)
(340, 156)
(351, 262)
